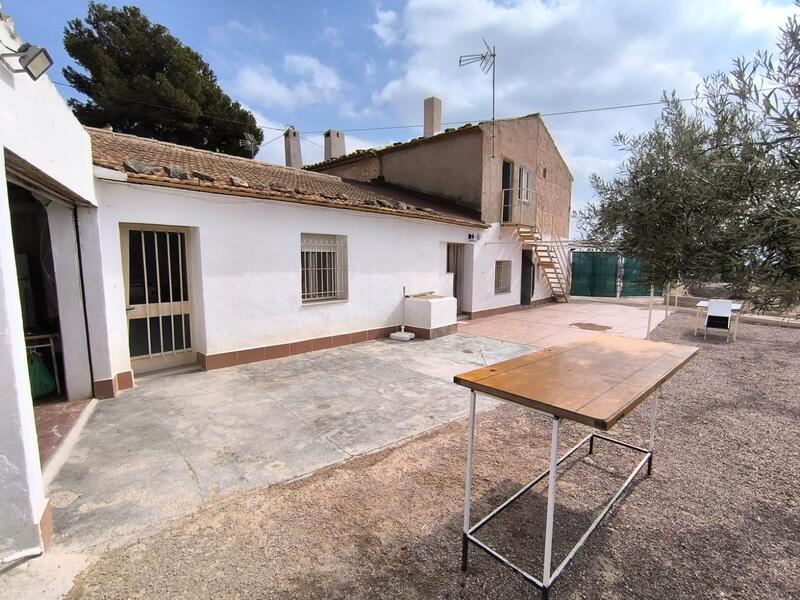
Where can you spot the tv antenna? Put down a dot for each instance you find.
(251, 143)
(486, 62)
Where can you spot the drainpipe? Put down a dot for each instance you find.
(83, 295)
(27, 553)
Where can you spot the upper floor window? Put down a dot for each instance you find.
(524, 184)
(323, 267)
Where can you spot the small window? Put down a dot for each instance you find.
(524, 184)
(502, 276)
(323, 266)
(544, 173)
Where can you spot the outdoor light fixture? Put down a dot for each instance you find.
(33, 60)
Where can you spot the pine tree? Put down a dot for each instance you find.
(140, 79)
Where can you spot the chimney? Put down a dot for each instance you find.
(291, 144)
(433, 116)
(334, 144)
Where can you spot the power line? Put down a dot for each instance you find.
(173, 109)
(302, 137)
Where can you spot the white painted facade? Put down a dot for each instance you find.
(37, 127)
(245, 265)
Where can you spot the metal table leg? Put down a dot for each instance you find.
(653, 415)
(551, 503)
(468, 484)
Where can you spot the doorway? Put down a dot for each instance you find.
(508, 193)
(158, 303)
(528, 278)
(455, 265)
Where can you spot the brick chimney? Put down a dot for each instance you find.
(291, 144)
(433, 116)
(334, 144)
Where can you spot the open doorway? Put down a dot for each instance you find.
(455, 265)
(42, 321)
(528, 279)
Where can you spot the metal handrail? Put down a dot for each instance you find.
(517, 205)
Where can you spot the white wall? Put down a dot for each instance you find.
(495, 244)
(70, 301)
(248, 255)
(37, 125)
(21, 489)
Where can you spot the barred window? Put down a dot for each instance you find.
(323, 267)
(502, 276)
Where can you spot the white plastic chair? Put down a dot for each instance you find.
(719, 316)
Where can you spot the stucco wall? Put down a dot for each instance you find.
(38, 126)
(527, 143)
(366, 169)
(21, 489)
(449, 167)
(246, 261)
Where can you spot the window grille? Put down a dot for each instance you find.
(323, 267)
(502, 276)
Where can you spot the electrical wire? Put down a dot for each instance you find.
(393, 127)
(302, 137)
(173, 109)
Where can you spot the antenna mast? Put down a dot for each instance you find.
(486, 60)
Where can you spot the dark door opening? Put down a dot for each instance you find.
(528, 278)
(508, 183)
(455, 265)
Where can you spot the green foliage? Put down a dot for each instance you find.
(141, 80)
(712, 192)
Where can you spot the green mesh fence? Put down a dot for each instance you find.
(632, 284)
(594, 274)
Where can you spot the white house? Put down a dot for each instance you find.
(122, 255)
(130, 255)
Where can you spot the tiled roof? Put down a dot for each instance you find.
(360, 154)
(154, 162)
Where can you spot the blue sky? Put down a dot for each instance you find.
(352, 65)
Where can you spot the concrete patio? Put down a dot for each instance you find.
(161, 449)
(560, 323)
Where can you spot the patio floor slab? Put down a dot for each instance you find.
(161, 449)
(560, 323)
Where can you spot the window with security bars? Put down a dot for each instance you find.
(502, 276)
(323, 267)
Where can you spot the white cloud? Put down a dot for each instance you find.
(307, 82)
(332, 36)
(386, 26)
(232, 32)
(554, 56)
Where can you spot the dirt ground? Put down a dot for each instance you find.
(719, 518)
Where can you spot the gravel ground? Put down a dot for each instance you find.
(719, 518)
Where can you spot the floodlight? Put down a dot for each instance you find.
(33, 60)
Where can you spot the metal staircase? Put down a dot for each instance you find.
(551, 259)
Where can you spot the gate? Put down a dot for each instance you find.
(594, 274)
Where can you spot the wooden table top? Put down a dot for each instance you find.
(596, 380)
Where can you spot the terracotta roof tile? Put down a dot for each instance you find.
(161, 163)
(363, 153)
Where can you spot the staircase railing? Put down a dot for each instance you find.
(518, 206)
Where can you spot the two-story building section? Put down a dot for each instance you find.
(512, 172)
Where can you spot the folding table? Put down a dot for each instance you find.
(595, 381)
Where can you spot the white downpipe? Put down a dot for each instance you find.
(649, 313)
(27, 553)
(403, 322)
